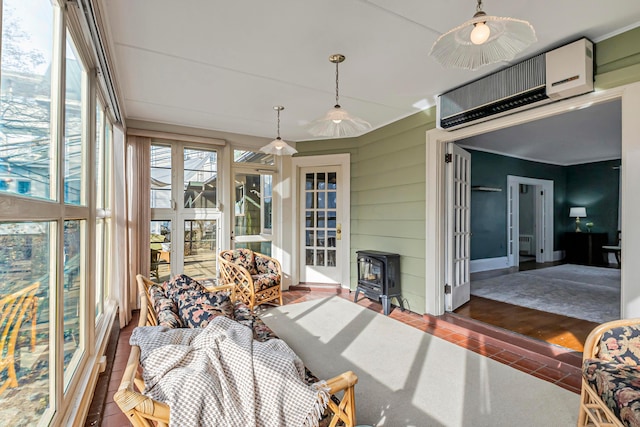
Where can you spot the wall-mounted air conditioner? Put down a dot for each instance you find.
(560, 73)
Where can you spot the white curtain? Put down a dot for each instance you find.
(139, 212)
(119, 247)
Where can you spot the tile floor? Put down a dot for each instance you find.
(545, 361)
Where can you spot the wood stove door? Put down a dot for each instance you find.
(321, 228)
(458, 289)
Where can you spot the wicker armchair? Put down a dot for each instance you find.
(608, 362)
(257, 277)
(14, 309)
(143, 411)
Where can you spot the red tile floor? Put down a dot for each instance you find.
(545, 361)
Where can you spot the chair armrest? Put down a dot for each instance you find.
(139, 408)
(591, 344)
(345, 410)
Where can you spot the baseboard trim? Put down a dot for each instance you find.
(487, 264)
(558, 255)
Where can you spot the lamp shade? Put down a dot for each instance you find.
(279, 148)
(483, 40)
(578, 212)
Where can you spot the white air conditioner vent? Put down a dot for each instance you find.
(558, 74)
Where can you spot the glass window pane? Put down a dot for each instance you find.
(24, 272)
(73, 126)
(100, 264)
(160, 176)
(331, 238)
(309, 238)
(320, 239)
(331, 181)
(320, 219)
(320, 258)
(308, 183)
(160, 246)
(321, 184)
(25, 95)
(200, 249)
(99, 168)
(248, 187)
(321, 196)
(331, 219)
(242, 156)
(309, 219)
(309, 257)
(309, 201)
(261, 247)
(331, 258)
(200, 178)
(267, 198)
(73, 278)
(331, 199)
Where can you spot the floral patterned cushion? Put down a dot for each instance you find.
(621, 345)
(243, 257)
(618, 385)
(197, 310)
(265, 265)
(264, 281)
(166, 309)
(180, 284)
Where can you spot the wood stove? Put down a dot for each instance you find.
(379, 277)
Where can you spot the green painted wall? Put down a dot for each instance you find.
(388, 196)
(388, 173)
(489, 209)
(593, 185)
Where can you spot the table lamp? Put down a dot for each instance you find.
(578, 212)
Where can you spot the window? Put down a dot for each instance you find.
(184, 234)
(253, 201)
(47, 258)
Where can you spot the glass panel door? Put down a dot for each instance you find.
(253, 211)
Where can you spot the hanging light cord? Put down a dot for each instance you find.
(479, 6)
(278, 124)
(337, 103)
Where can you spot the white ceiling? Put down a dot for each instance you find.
(223, 65)
(580, 136)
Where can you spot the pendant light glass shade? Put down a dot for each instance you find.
(483, 40)
(278, 147)
(338, 122)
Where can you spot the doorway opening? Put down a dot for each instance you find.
(528, 243)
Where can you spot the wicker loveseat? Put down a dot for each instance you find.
(257, 277)
(144, 411)
(611, 375)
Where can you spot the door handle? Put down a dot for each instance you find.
(339, 232)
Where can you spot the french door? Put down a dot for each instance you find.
(185, 219)
(321, 225)
(458, 281)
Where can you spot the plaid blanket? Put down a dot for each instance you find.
(220, 376)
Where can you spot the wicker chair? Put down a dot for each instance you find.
(14, 309)
(146, 412)
(593, 410)
(257, 277)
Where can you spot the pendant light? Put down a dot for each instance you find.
(483, 40)
(278, 146)
(338, 122)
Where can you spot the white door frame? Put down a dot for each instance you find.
(435, 189)
(343, 161)
(544, 231)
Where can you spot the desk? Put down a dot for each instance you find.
(584, 248)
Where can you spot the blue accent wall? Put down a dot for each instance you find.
(593, 185)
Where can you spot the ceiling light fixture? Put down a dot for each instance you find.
(338, 122)
(278, 146)
(483, 40)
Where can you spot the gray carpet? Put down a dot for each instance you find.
(409, 378)
(580, 291)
